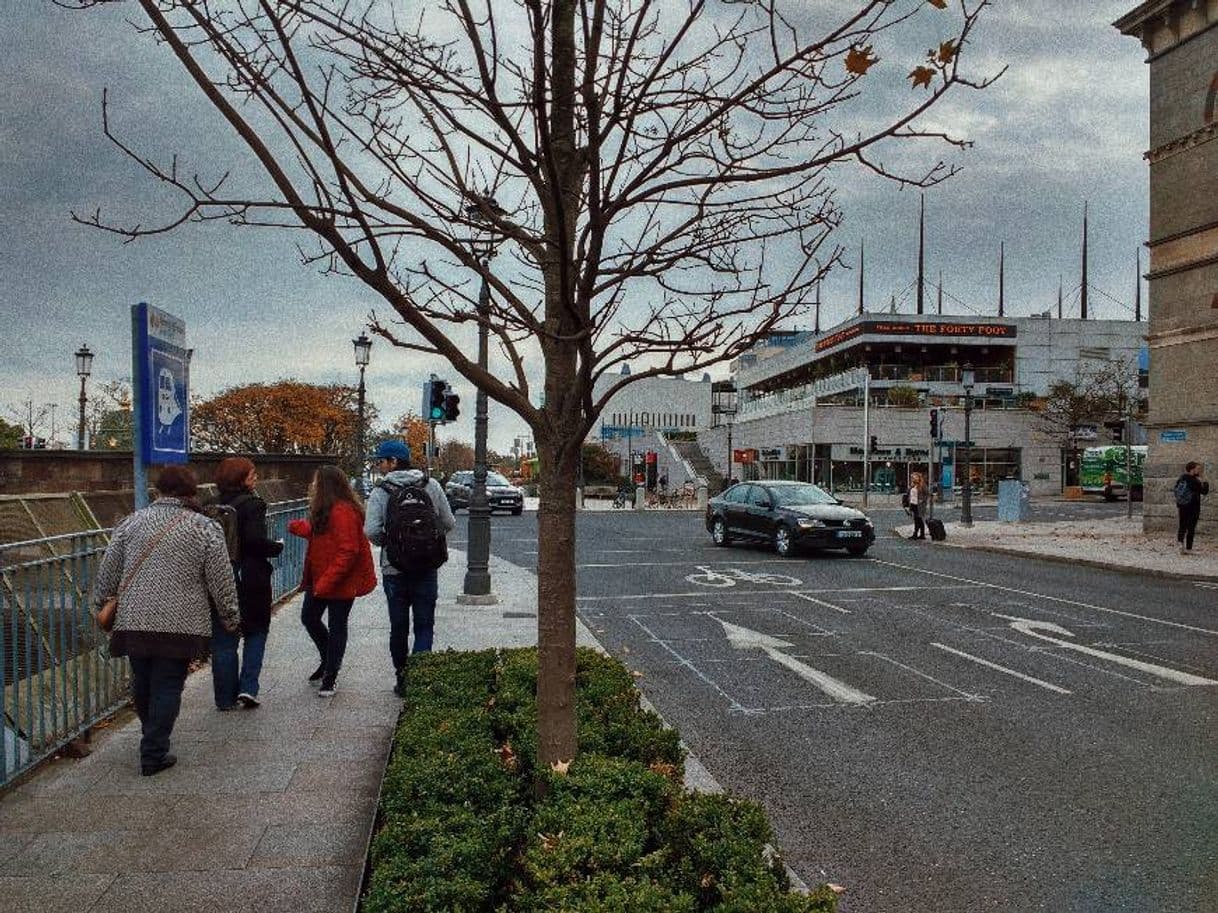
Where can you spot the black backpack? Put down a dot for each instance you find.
(226, 515)
(413, 538)
(1183, 493)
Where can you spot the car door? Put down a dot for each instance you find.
(735, 509)
(760, 519)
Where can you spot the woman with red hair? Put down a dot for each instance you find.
(338, 568)
(236, 683)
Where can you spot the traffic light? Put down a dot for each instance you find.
(435, 397)
(451, 404)
(875, 444)
(1117, 429)
(934, 423)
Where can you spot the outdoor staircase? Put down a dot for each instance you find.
(692, 453)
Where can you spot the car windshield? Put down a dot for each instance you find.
(494, 478)
(799, 495)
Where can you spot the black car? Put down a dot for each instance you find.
(500, 493)
(790, 515)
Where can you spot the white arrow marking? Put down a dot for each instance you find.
(746, 639)
(1037, 628)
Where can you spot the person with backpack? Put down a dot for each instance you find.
(1190, 488)
(242, 517)
(409, 517)
(338, 568)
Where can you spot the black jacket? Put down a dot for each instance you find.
(254, 571)
(1198, 487)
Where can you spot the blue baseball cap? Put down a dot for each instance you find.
(392, 450)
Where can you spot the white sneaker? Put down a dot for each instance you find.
(327, 689)
(248, 701)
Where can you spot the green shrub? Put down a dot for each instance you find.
(605, 894)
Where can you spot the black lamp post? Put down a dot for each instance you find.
(84, 367)
(477, 586)
(967, 379)
(363, 351)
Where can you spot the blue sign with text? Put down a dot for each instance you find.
(1173, 437)
(162, 364)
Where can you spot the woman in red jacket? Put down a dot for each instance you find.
(338, 568)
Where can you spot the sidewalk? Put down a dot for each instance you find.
(1115, 543)
(267, 809)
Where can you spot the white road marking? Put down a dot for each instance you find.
(641, 564)
(987, 663)
(1081, 605)
(931, 678)
(685, 663)
(747, 639)
(821, 602)
(1042, 630)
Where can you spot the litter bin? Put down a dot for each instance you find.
(1014, 501)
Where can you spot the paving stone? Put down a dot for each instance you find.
(340, 778)
(54, 853)
(198, 778)
(60, 893)
(268, 809)
(309, 890)
(310, 845)
(82, 813)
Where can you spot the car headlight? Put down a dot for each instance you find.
(810, 523)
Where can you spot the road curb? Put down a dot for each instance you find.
(1067, 559)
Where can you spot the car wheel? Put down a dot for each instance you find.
(719, 532)
(858, 551)
(782, 541)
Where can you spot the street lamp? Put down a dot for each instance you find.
(477, 585)
(84, 367)
(731, 415)
(967, 379)
(363, 351)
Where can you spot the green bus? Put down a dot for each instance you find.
(1103, 471)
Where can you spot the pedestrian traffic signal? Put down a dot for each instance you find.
(435, 407)
(451, 404)
(875, 444)
(934, 423)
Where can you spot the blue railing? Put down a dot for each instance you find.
(58, 675)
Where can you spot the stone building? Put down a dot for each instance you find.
(1182, 50)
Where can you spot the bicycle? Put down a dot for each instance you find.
(730, 576)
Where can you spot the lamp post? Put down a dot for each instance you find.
(967, 378)
(477, 586)
(363, 352)
(730, 416)
(84, 367)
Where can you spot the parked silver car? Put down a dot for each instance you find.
(500, 493)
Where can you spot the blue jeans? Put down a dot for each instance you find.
(156, 686)
(331, 642)
(409, 594)
(227, 681)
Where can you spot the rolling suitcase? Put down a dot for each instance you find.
(937, 532)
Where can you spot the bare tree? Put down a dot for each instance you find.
(1099, 392)
(659, 174)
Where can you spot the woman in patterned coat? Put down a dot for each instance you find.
(166, 564)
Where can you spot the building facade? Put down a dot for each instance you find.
(783, 429)
(1182, 51)
(665, 404)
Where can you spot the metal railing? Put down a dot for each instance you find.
(55, 665)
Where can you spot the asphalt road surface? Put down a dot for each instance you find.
(936, 729)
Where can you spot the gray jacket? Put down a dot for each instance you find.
(182, 575)
(374, 518)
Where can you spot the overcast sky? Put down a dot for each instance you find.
(1067, 123)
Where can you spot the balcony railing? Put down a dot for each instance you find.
(58, 675)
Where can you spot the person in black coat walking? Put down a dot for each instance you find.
(1190, 487)
(237, 683)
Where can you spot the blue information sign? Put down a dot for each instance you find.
(613, 432)
(1173, 437)
(162, 365)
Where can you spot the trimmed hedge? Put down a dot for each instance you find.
(461, 828)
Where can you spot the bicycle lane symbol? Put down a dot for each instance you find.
(729, 577)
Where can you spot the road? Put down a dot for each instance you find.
(933, 728)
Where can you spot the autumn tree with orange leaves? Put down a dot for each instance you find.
(283, 417)
(657, 178)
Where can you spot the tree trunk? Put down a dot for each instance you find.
(556, 735)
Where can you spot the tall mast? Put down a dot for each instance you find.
(940, 292)
(1137, 289)
(1059, 296)
(862, 247)
(1084, 298)
(921, 252)
(816, 328)
(1002, 279)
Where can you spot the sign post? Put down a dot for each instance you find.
(160, 369)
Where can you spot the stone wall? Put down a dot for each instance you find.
(50, 471)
